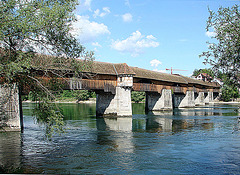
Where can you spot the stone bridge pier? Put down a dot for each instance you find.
(199, 99)
(208, 97)
(156, 101)
(10, 108)
(118, 104)
(181, 100)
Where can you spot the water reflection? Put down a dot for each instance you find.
(157, 124)
(119, 135)
(196, 140)
(195, 112)
(160, 124)
(10, 151)
(163, 122)
(115, 124)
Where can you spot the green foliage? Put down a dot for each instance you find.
(224, 51)
(79, 95)
(50, 115)
(208, 71)
(83, 95)
(31, 96)
(35, 37)
(47, 113)
(66, 95)
(138, 96)
(229, 92)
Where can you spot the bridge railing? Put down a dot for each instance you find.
(88, 84)
(178, 89)
(157, 88)
(144, 87)
(79, 84)
(197, 90)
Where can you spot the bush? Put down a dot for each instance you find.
(229, 93)
(79, 95)
(83, 95)
(138, 96)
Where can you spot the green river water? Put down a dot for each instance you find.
(203, 140)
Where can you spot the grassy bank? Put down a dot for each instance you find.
(82, 96)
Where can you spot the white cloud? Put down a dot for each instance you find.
(87, 31)
(151, 37)
(88, 3)
(106, 10)
(162, 71)
(210, 34)
(96, 44)
(135, 43)
(84, 5)
(155, 63)
(127, 17)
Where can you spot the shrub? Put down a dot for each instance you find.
(138, 96)
(229, 93)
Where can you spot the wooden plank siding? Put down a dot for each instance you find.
(145, 87)
(79, 84)
(106, 85)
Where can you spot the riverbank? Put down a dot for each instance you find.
(90, 101)
(223, 102)
(93, 100)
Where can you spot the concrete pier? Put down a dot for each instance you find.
(118, 104)
(10, 108)
(209, 97)
(157, 102)
(181, 100)
(199, 101)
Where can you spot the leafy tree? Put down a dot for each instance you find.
(137, 96)
(224, 51)
(229, 92)
(36, 40)
(79, 95)
(208, 71)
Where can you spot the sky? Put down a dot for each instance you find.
(149, 34)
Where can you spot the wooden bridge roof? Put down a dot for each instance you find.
(111, 68)
(123, 68)
(154, 75)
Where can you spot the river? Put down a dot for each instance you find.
(184, 141)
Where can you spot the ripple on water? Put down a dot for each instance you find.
(190, 141)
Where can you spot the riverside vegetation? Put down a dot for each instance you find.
(82, 95)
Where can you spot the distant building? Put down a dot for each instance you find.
(204, 77)
(217, 80)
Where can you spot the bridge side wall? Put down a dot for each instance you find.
(199, 101)
(118, 104)
(184, 100)
(10, 108)
(156, 101)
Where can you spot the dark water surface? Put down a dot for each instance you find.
(203, 140)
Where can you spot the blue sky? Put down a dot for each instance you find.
(150, 34)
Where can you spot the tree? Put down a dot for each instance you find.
(229, 92)
(35, 36)
(224, 52)
(208, 71)
(137, 96)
